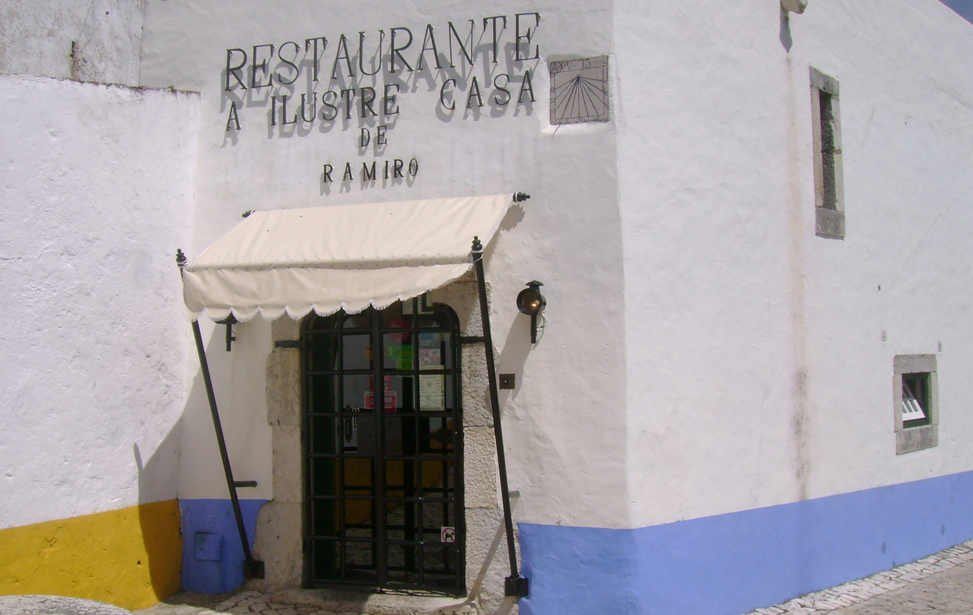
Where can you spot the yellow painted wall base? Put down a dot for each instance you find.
(130, 557)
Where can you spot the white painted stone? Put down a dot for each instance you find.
(480, 467)
(487, 552)
(284, 381)
(571, 385)
(461, 297)
(686, 287)
(699, 342)
(279, 536)
(288, 474)
(476, 413)
(104, 36)
(97, 191)
(239, 379)
(731, 300)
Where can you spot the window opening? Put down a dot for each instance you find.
(828, 177)
(914, 400)
(828, 194)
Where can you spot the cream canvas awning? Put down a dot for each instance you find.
(340, 257)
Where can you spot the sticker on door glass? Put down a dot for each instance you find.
(432, 392)
(430, 358)
(447, 534)
(400, 355)
(399, 337)
(391, 401)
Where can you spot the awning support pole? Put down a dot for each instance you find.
(252, 569)
(515, 585)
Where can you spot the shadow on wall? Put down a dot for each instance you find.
(128, 557)
(785, 29)
(494, 89)
(514, 355)
(517, 345)
(158, 517)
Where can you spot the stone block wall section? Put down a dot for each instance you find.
(486, 547)
(97, 40)
(279, 538)
(279, 534)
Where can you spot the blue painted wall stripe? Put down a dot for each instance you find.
(733, 563)
(962, 7)
(208, 576)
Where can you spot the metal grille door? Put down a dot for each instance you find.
(383, 449)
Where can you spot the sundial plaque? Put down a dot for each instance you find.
(579, 90)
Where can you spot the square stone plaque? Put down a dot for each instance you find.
(579, 90)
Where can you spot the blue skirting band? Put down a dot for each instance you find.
(733, 563)
(212, 555)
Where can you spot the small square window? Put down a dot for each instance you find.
(828, 176)
(916, 402)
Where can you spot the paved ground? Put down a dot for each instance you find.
(309, 602)
(55, 605)
(939, 584)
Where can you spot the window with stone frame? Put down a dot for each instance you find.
(916, 402)
(828, 176)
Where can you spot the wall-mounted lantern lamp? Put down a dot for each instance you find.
(530, 301)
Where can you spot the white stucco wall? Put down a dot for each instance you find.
(239, 381)
(739, 362)
(97, 194)
(97, 40)
(565, 422)
(757, 370)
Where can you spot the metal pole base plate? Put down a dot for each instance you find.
(516, 587)
(253, 569)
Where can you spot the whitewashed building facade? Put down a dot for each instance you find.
(749, 381)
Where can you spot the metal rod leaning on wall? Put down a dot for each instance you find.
(252, 569)
(514, 585)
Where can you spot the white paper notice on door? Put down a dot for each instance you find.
(432, 392)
